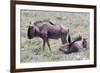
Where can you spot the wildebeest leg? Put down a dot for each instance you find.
(44, 36)
(43, 45)
(48, 45)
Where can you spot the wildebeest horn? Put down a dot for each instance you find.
(30, 23)
(36, 28)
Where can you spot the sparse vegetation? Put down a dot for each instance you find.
(31, 50)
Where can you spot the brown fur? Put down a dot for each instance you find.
(71, 47)
(47, 30)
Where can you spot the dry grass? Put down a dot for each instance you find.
(31, 50)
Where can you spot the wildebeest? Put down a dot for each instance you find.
(73, 46)
(84, 43)
(47, 30)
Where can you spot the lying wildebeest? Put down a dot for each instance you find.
(84, 43)
(74, 46)
(47, 30)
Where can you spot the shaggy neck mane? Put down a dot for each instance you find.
(37, 22)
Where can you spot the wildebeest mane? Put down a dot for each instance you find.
(49, 22)
(37, 22)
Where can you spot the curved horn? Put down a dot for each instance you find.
(31, 23)
(37, 29)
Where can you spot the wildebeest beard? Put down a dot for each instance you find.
(31, 33)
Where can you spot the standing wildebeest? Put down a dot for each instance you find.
(47, 30)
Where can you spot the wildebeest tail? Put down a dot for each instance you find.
(77, 39)
(69, 38)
